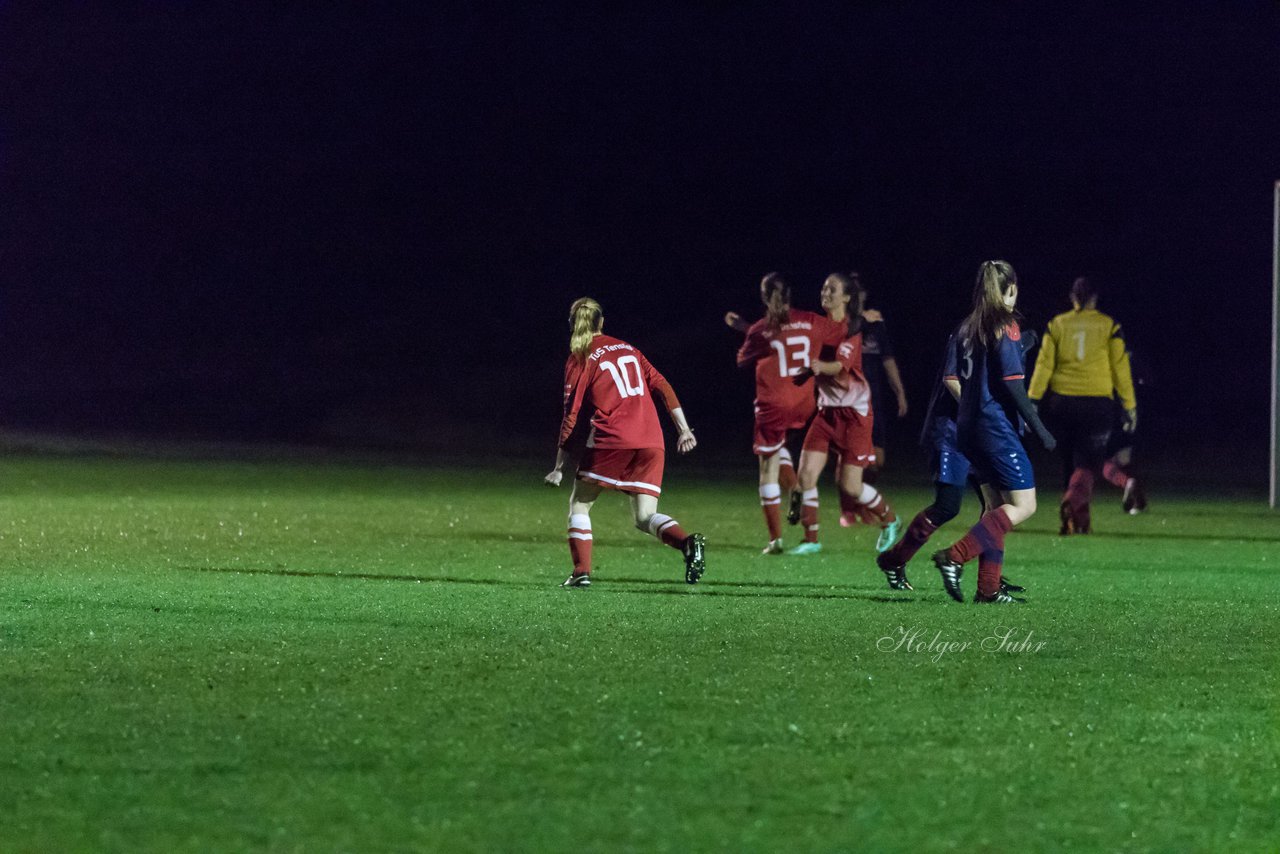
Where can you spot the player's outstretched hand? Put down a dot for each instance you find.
(733, 320)
(872, 315)
(553, 478)
(685, 442)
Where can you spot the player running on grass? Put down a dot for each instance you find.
(844, 419)
(989, 387)
(612, 384)
(951, 472)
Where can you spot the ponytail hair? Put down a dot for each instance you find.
(989, 314)
(775, 292)
(585, 321)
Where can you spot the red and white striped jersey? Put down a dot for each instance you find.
(849, 387)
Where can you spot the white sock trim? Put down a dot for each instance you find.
(658, 523)
(770, 490)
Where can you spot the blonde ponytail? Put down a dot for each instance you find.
(585, 322)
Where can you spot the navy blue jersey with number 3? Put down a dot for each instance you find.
(985, 404)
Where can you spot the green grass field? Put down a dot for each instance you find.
(236, 656)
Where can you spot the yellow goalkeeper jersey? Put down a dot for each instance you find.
(1083, 355)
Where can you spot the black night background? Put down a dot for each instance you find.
(362, 225)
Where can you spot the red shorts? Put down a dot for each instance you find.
(772, 426)
(637, 470)
(840, 429)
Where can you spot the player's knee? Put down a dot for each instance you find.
(642, 522)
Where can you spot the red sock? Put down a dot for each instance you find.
(1114, 474)
(771, 504)
(918, 533)
(989, 574)
(987, 534)
(580, 543)
(876, 506)
(1079, 489)
(848, 503)
(668, 530)
(809, 515)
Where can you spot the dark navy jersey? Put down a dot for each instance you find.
(940, 416)
(876, 347)
(982, 372)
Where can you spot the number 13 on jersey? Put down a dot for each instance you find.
(793, 354)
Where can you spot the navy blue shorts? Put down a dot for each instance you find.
(950, 466)
(998, 458)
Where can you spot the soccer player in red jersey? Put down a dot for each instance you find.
(609, 417)
(780, 347)
(844, 420)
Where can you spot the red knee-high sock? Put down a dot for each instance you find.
(848, 503)
(988, 533)
(809, 515)
(875, 505)
(1079, 489)
(1115, 474)
(668, 530)
(580, 543)
(787, 480)
(771, 504)
(918, 533)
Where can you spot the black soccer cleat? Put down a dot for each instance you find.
(793, 512)
(695, 557)
(894, 573)
(1135, 500)
(1067, 520)
(951, 572)
(1007, 586)
(1000, 598)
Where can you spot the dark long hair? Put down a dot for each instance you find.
(775, 293)
(851, 286)
(989, 314)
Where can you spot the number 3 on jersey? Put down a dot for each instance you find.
(622, 376)
(793, 355)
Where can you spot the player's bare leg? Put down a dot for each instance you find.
(871, 504)
(644, 509)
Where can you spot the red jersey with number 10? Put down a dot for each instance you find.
(783, 351)
(614, 387)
